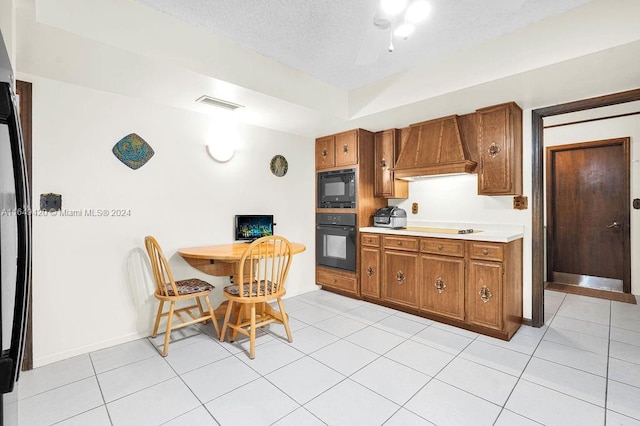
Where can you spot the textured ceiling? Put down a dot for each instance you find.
(335, 40)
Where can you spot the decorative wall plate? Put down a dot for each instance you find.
(133, 151)
(279, 165)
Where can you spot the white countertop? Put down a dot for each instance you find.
(482, 231)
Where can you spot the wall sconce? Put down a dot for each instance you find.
(220, 152)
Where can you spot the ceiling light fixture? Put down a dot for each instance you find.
(399, 16)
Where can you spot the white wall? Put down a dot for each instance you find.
(628, 126)
(91, 284)
(7, 27)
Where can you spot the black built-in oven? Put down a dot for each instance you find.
(336, 240)
(337, 189)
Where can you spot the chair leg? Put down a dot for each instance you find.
(167, 335)
(252, 333)
(158, 316)
(212, 312)
(285, 319)
(225, 323)
(200, 309)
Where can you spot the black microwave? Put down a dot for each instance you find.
(337, 189)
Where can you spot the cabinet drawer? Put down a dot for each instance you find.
(401, 243)
(486, 251)
(372, 240)
(337, 279)
(442, 246)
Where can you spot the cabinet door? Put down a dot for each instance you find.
(500, 150)
(484, 294)
(346, 148)
(370, 272)
(325, 152)
(384, 161)
(442, 285)
(401, 278)
(337, 279)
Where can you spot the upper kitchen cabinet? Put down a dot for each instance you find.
(500, 150)
(388, 144)
(337, 150)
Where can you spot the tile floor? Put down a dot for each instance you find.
(355, 363)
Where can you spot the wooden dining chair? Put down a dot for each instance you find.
(263, 270)
(171, 291)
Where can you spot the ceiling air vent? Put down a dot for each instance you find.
(218, 103)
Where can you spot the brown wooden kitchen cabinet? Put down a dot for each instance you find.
(475, 285)
(387, 147)
(494, 286)
(400, 270)
(500, 150)
(343, 281)
(337, 150)
(442, 267)
(370, 265)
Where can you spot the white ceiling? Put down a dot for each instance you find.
(302, 68)
(336, 41)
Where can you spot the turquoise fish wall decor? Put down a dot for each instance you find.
(133, 151)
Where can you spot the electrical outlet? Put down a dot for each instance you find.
(520, 202)
(414, 208)
(50, 202)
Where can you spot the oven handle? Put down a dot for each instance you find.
(344, 228)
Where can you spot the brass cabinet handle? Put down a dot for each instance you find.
(383, 163)
(324, 152)
(370, 271)
(493, 150)
(440, 285)
(345, 148)
(485, 294)
(485, 252)
(440, 247)
(400, 277)
(399, 243)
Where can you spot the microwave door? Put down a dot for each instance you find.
(15, 252)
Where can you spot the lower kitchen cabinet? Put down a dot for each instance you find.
(400, 279)
(485, 294)
(442, 285)
(336, 279)
(370, 266)
(475, 285)
(494, 286)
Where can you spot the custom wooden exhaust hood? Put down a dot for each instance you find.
(438, 147)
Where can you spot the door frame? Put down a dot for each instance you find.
(625, 144)
(537, 185)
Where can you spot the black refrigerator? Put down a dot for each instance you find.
(15, 238)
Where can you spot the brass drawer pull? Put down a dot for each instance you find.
(400, 277)
(440, 285)
(494, 150)
(345, 148)
(370, 271)
(383, 163)
(440, 247)
(485, 252)
(399, 243)
(325, 152)
(485, 294)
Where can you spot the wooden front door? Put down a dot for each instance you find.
(588, 233)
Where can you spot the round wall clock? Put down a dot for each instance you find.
(279, 165)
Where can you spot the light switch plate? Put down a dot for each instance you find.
(520, 202)
(50, 202)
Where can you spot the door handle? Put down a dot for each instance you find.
(614, 225)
